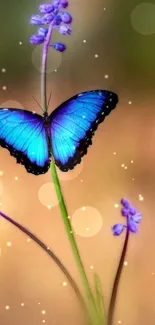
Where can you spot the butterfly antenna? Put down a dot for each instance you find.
(49, 100)
(37, 103)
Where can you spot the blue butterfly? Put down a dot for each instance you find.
(66, 133)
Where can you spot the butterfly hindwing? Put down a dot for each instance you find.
(23, 134)
(74, 122)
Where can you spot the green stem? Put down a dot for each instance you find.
(99, 297)
(90, 298)
(91, 302)
(117, 278)
(48, 251)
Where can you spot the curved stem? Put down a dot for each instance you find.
(117, 279)
(91, 302)
(51, 254)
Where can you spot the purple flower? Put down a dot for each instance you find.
(58, 20)
(59, 47)
(42, 31)
(46, 8)
(37, 39)
(125, 203)
(64, 30)
(117, 229)
(47, 19)
(133, 218)
(132, 225)
(56, 3)
(36, 20)
(66, 17)
(64, 3)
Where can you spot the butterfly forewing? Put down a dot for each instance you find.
(74, 122)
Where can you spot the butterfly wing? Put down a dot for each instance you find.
(74, 122)
(24, 135)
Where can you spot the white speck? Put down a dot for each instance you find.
(81, 180)
(9, 244)
(126, 167)
(28, 240)
(4, 88)
(106, 76)
(55, 70)
(119, 322)
(141, 197)
(122, 165)
(3, 70)
(87, 229)
(130, 103)
(22, 304)
(7, 307)
(91, 267)
(125, 263)
(83, 208)
(43, 312)
(84, 41)
(131, 161)
(43, 321)
(96, 56)
(116, 205)
(133, 179)
(152, 273)
(114, 153)
(64, 284)
(49, 206)
(104, 9)
(1, 173)
(20, 43)
(16, 178)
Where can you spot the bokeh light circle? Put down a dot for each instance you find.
(87, 221)
(47, 195)
(53, 61)
(143, 18)
(71, 174)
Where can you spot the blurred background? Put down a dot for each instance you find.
(111, 47)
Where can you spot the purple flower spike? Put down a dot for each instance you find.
(59, 47)
(117, 229)
(66, 17)
(132, 225)
(125, 203)
(42, 31)
(132, 211)
(64, 30)
(36, 20)
(46, 8)
(47, 19)
(64, 3)
(37, 39)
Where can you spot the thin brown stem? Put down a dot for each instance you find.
(117, 280)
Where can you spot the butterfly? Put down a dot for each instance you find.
(65, 134)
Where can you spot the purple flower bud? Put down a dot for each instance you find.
(136, 217)
(66, 17)
(64, 30)
(125, 203)
(117, 229)
(42, 31)
(47, 18)
(46, 8)
(59, 47)
(56, 3)
(37, 39)
(64, 3)
(132, 211)
(58, 20)
(132, 225)
(36, 20)
(125, 212)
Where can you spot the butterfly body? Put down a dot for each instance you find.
(65, 134)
